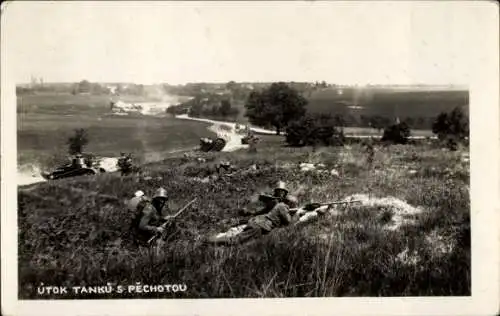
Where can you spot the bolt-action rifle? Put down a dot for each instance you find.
(313, 206)
(169, 221)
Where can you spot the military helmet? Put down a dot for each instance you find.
(280, 187)
(161, 193)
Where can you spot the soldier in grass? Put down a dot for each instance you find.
(281, 194)
(274, 214)
(125, 164)
(150, 214)
(277, 212)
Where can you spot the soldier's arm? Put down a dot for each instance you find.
(284, 212)
(146, 218)
(259, 211)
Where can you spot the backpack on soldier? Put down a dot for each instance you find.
(136, 205)
(138, 211)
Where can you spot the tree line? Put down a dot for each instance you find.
(83, 87)
(285, 109)
(209, 106)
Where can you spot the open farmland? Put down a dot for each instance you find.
(69, 235)
(43, 128)
(387, 102)
(65, 103)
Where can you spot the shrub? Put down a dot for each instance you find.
(454, 124)
(314, 130)
(397, 133)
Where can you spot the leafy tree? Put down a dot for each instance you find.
(397, 133)
(231, 85)
(379, 122)
(275, 106)
(440, 127)
(84, 86)
(455, 124)
(451, 127)
(225, 108)
(78, 141)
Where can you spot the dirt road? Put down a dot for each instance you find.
(228, 131)
(257, 130)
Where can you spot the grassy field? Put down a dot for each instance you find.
(387, 102)
(366, 131)
(68, 236)
(44, 127)
(52, 103)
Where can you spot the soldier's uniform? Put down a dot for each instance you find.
(281, 194)
(223, 167)
(125, 164)
(151, 214)
(276, 214)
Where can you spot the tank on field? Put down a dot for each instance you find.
(79, 166)
(208, 144)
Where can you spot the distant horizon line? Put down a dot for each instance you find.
(256, 82)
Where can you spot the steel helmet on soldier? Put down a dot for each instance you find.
(161, 193)
(280, 188)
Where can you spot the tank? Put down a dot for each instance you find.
(207, 144)
(79, 166)
(69, 171)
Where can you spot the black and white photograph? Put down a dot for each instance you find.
(175, 151)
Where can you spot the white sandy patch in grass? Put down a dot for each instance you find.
(29, 174)
(401, 210)
(109, 164)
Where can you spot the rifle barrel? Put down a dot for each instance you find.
(340, 202)
(184, 208)
(176, 214)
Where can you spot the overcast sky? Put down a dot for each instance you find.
(339, 42)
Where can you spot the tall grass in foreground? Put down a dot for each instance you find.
(74, 239)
